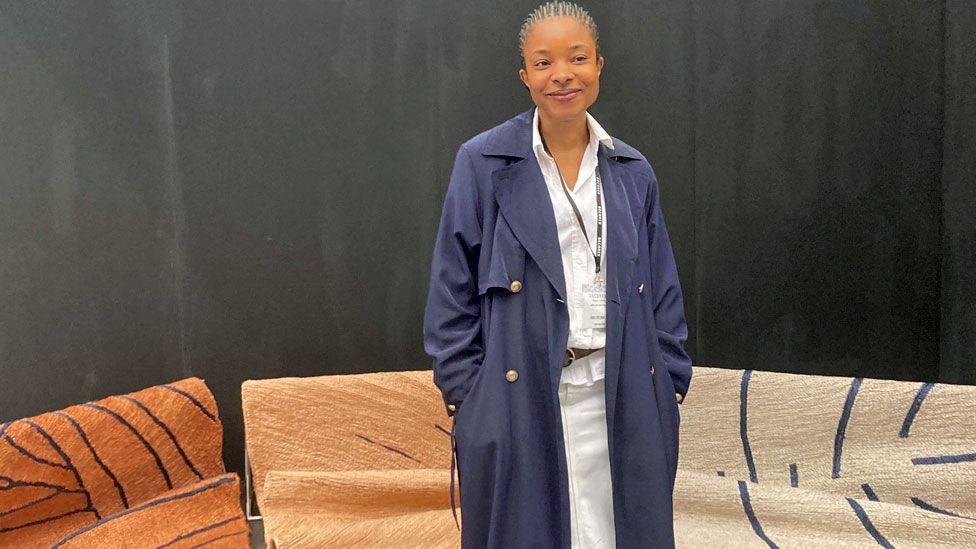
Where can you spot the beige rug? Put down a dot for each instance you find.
(766, 460)
(360, 422)
(360, 509)
(799, 461)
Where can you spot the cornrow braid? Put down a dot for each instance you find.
(557, 9)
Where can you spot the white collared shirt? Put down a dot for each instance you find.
(578, 264)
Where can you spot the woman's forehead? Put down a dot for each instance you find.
(557, 34)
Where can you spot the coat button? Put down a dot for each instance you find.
(640, 289)
(515, 286)
(452, 407)
(511, 375)
(652, 369)
(679, 397)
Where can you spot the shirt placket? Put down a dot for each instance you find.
(581, 331)
(585, 272)
(573, 285)
(579, 268)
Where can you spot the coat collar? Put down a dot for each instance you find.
(514, 139)
(596, 132)
(521, 193)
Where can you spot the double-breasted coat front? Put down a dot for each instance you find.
(496, 324)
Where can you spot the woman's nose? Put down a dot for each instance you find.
(562, 75)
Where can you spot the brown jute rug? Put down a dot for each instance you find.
(95, 468)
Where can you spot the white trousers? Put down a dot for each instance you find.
(584, 416)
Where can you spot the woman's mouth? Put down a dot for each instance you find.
(566, 95)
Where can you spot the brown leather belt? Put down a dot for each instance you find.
(572, 354)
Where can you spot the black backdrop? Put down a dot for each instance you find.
(251, 190)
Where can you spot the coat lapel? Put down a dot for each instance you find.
(522, 196)
(623, 218)
(621, 225)
(523, 199)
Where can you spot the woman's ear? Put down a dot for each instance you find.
(522, 76)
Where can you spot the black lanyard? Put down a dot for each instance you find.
(579, 217)
(599, 218)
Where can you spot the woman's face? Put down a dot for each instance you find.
(561, 70)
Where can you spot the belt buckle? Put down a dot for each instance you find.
(571, 357)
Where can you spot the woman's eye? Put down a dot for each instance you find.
(544, 62)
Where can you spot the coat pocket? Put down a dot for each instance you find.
(674, 403)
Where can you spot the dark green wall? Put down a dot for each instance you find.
(251, 190)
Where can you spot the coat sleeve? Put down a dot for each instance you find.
(669, 314)
(452, 317)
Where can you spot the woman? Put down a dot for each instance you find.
(555, 317)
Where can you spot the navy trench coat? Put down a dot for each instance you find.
(496, 324)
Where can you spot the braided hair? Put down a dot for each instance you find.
(557, 9)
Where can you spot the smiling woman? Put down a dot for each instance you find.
(552, 36)
(555, 318)
(561, 68)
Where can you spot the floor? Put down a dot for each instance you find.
(257, 534)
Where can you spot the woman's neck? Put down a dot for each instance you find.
(564, 135)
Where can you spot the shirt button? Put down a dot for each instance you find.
(515, 286)
(511, 376)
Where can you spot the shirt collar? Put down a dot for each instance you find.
(597, 133)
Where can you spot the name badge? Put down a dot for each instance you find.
(595, 295)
